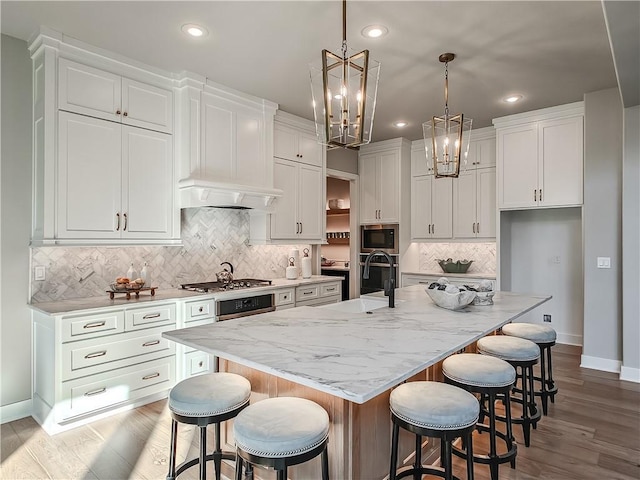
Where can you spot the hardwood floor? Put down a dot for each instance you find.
(592, 432)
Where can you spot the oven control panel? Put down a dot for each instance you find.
(242, 305)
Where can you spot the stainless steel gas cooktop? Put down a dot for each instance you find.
(238, 284)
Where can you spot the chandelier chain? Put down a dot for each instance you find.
(446, 90)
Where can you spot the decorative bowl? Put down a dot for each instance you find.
(451, 301)
(484, 298)
(459, 266)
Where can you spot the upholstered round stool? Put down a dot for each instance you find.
(490, 377)
(201, 401)
(545, 337)
(437, 410)
(522, 355)
(280, 432)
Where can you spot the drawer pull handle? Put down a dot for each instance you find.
(96, 354)
(308, 292)
(150, 315)
(95, 392)
(95, 324)
(151, 343)
(150, 376)
(331, 289)
(200, 363)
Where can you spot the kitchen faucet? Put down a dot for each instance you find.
(389, 285)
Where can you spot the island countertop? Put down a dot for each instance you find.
(354, 356)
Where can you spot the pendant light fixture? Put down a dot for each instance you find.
(344, 90)
(446, 138)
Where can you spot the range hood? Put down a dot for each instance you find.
(194, 192)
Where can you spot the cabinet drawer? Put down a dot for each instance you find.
(197, 362)
(117, 386)
(150, 317)
(307, 293)
(284, 297)
(199, 309)
(329, 289)
(90, 326)
(95, 355)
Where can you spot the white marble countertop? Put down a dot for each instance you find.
(77, 305)
(355, 356)
(440, 273)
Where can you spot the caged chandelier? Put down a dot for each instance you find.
(344, 93)
(446, 138)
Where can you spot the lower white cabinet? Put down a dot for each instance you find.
(285, 298)
(88, 364)
(318, 294)
(189, 361)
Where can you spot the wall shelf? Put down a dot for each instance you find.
(338, 211)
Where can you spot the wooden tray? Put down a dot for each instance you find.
(129, 291)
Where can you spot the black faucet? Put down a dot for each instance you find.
(389, 285)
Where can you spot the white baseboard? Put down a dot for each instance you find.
(630, 374)
(569, 339)
(603, 364)
(15, 411)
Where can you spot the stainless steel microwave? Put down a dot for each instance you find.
(379, 237)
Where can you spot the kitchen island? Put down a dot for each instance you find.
(348, 362)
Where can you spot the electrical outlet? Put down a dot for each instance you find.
(39, 272)
(546, 317)
(603, 262)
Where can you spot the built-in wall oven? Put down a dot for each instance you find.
(379, 272)
(379, 237)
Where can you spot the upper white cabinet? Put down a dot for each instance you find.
(299, 171)
(474, 204)
(540, 158)
(299, 146)
(98, 93)
(382, 166)
(103, 156)
(431, 208)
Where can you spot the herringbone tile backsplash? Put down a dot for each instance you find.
(210, 236)
(482, 254)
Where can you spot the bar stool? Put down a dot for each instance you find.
(521, 354)
(437, 410)
(545, 337)
(490, 377)
(280, 432)
(201, 401)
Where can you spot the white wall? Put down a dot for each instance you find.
(544, 250)
(15, 319)
(603, 230)
(631, 246)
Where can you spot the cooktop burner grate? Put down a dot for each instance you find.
(223, 287)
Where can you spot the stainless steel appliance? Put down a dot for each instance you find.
(238, 284)
(379, 237)
(243, 307)
(379, 272)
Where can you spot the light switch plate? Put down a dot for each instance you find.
(604, 262)
(39, 272)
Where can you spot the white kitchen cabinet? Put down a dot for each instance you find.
(540, 158)
(114, 181)
(318, 294)
(91, 91)
(379, 187)
(300, 146)
(90, 363)
(189, 361)
(431, 208)
(299, 213)
(474, 204)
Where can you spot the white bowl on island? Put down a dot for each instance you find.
(451, 301)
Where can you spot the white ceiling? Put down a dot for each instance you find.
(551, 52)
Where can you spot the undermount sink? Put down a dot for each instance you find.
(360, 305)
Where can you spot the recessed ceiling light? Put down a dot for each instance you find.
(400, 124)
(374, 31)
(513, 98)
(194, 30)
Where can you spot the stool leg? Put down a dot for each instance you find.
(282, 474)
(509, 429)
(172, 454)
(469, 442)
(552, 384)
(493, 466)
(543, 382)
(325, 464)
(203, 453)
(394, 452)
(533, 408)
(418, 460)
(248, 470)
(217, 452)
(525, 408)
(238, 467)
(445, 458)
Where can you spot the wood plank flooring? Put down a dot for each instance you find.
(592, 432)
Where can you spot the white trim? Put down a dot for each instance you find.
(602, 364)
(556, 112)
(630, 374)
(15, 411)
(569, 339)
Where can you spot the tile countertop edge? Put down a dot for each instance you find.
(309, 323)
(474, 275)
(77, 306)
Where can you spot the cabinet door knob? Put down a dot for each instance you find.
(125, 222)
(125, 114)
(535, 195)
(474, 227)
(118, 112)
(540, 194)
(301, 224)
